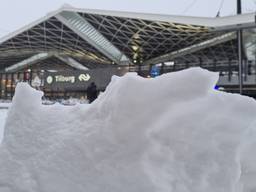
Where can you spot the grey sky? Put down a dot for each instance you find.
(15, 14)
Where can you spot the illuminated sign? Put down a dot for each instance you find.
(62, 78)
(155, 71)
(68, 78)
(84, 77)
(49, 79)
(79, 80)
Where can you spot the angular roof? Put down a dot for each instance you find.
(94, 38)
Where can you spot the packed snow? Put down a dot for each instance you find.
(173, 133)
(5, 104)
(3, 114)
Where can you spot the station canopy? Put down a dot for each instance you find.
(86, 39)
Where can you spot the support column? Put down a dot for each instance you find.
(162, 69)
(240, 49)
(245, 69)
(5, 86)
(229, 70)
(12, 84)
(150, 68)
(240, 61)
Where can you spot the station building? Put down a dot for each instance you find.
(62, 52)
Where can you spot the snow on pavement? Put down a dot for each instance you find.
(5, 104)
(174, 133)
(3, 115)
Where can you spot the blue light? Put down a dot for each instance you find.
(155, 71)
(216, 87)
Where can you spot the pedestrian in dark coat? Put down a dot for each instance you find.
(92, 92)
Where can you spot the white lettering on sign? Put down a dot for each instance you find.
(84, 77)
(61, 78)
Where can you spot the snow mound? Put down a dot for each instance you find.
(173, 133)
(3, 114)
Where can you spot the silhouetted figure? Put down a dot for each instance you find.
(92, 92)
(249, 69)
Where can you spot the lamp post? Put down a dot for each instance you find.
(240, 49)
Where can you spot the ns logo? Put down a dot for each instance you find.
(84, 77)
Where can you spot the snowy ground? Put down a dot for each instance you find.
(174, 133)
(3, 114)
(5, 104)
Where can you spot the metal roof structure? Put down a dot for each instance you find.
(85, 39)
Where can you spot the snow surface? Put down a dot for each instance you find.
(3, 115)
(5, 104)
(173, 133)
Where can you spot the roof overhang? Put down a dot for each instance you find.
(216, 22)
(115, 37)
(201, 21)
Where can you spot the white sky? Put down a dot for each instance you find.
(14, 14)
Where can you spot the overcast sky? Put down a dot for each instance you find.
(14, 14)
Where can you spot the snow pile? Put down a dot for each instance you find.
(3, 114)
(73, 101)
(5, 104)
(70, 101)
(172, 133)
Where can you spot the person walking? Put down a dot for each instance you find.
(92, 92)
